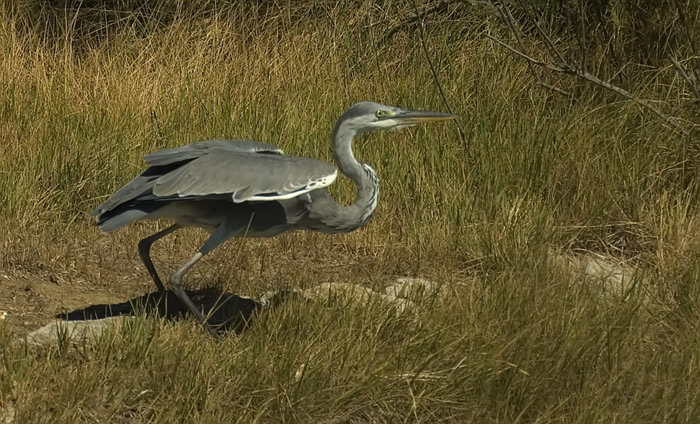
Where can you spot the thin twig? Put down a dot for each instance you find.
(550, 44)
(555, 89)
(506, 15)
(689, 36)
(582, 38)
(421, 32)
(621, 91)
(693, 86)
(411, 18)
(529, 59)
(571, 69)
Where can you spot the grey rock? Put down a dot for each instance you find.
(72, 331)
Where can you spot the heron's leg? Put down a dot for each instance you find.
(176, 284)
(145, 253)
(223, 233)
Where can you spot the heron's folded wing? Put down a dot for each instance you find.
(201, 148)
(246, 176)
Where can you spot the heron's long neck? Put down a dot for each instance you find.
(349, 218)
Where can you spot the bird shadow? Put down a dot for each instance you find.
(226, 311)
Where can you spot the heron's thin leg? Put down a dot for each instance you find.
(176, 284)
(145, 249)
(223, 233)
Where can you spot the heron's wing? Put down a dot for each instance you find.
(162, 162)
(246, 176)
(195, 150)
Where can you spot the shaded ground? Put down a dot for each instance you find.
(224, 310)
(28, 302)
(102, 276)
(32, 302)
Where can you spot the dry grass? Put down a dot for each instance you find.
(518, 340)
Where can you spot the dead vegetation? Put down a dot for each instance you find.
(592, 173)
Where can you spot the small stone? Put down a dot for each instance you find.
(72, 331)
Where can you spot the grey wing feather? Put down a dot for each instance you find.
(138, 186)
(160, 163)
(246, 176)
(195, 150)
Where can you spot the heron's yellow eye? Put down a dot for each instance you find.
(383, 113)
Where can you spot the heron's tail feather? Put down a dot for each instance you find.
(125, 214)
(114, 222)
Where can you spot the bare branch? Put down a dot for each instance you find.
(691, 83)
(689, 36)
(412, 18)
(529, 59)
(555, 89)
(586, 76)
(621, 91)
(568, 67)
(582, 38)
(550, 45)
(506, 15)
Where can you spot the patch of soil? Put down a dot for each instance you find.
(32, 301)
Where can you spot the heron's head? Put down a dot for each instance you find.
(369, 116)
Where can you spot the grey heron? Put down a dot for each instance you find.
(245, 188)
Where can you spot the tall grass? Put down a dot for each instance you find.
(517, 339)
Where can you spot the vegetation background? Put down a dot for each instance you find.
(585, 143)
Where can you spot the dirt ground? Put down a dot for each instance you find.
(42, 280)
(31, 301)
(73, 269)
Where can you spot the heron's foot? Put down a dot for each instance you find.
(211, 330)
(185, 298)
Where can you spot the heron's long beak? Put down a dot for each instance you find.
(411, 117)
